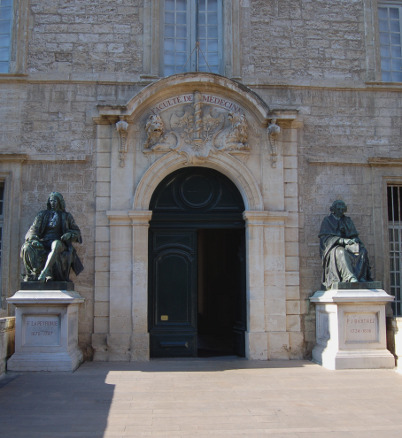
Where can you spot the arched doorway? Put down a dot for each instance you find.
(197, 299)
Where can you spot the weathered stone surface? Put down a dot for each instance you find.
(7, 341)
(310, 57)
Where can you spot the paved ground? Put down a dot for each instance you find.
(202, 398)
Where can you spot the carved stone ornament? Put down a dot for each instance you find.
(273, 134)
(196, 125)
(122, 128)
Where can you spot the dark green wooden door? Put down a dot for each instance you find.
(184, 204)
(173, 281)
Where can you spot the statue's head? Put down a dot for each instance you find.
(338, 208)
(61, 205)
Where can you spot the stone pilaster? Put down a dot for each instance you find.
(140, 336)
(266, 296)
(120, 301)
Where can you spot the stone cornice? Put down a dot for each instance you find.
(49, 158)
(384, 161)
(372, 161)
(265, 218)
(16, 158)
(145, 80)
(331, 162)
(129, 217)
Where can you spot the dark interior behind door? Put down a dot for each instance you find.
(221, 299)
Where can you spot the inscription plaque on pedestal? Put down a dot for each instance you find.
(361, 327)
(41, 330)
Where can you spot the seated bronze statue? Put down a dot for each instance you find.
(48, 253)
(344, 257)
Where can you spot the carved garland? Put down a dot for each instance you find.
(273, 134)
(122, 128)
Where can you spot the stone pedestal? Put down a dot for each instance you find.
(351, 327)
(46, 335)
(397, 326)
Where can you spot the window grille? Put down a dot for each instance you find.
(192, 37)
(6, 21)
(390, 25)
(394, 196)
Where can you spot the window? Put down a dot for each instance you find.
(192, 36)
(390, 24)
(394, 196)
(6, 21)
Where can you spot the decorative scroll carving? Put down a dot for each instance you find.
(122, 128)
(273, 134)
(197, 129)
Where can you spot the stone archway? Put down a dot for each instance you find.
(229, 166)
(132, 164)
(196, 286)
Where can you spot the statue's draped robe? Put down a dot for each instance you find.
(341, 265)
(34, 258)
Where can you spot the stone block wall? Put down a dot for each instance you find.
(332, 163)
(344, 131)
(7, 341)
(298, 40)
(85, 37)
(281, 40)
(312, 56)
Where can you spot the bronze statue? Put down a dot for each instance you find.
(344, 257)
(48, 253)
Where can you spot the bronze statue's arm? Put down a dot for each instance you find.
(73, 233)
(34, 232)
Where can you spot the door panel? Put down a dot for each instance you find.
(173, 269)
(173, 286)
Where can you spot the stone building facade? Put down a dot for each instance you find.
(299, 112)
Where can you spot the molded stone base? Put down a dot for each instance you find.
(45, 361)
(46, 335)
(343, 360)
(351, 329)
